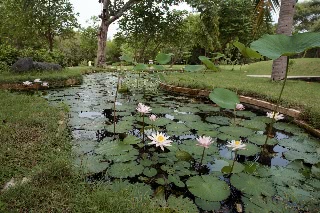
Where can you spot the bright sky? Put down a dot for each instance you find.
(86, 10)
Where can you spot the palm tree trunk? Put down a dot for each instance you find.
(285, 23)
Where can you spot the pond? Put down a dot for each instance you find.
(186, 177)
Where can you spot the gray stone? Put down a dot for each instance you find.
(22, 65)
(27, 64)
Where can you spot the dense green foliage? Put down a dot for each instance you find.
(307, 16)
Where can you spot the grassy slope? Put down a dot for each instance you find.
(35, 144)
(298, 94)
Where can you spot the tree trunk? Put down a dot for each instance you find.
(102, 39)
(285, 23)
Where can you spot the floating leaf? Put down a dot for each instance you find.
(264, 205)
(218, 165)
(207, 205)
(183, 155)
(252, 185)
(288, 127)
(254, 125)
(177, 128)
(91, 164)
(149, 172)
(284, 176)
(121, 127)
(176, 180)
(194, 68)
(245, 114)
(188, 118)
(163, 58)
(224, 98)
(235, 131)
(208, 108)
(312, 158)
(250, 150)
(208, 188)
(211, 133)
(181, 204)
(188, 109)
(218, 120)
(131, 139)
(261, 139)
(124, 170)
(109, 148)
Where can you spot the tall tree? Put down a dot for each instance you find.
(111, 12)
(307, 16)
(285, 23)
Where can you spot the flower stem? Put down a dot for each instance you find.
(114, 108)
(204, 148)
(235, 115)
(277, 104)
(142, 128)
(235, 157)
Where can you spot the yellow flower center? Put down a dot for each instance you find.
(237, 143)
(160, 138)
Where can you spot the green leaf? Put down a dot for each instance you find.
(108, 148)
(126, 58)
(181, 204)
(208, 63)
(246, 51)
(207, 205)
(183, 155)
(224, 98)
(218, 120)
(274, 46)
(254, 125)
(261, 139)
(250, 150)
(194, 68)
(177, 128)
(284, 176)
(176, 180)
(91, 164)
(252, 185)
(158, 67)
(235, 131)
(163, 58)
(131, 139)
(208, 188)
(149, 172)
(140, 67)
(124, 170)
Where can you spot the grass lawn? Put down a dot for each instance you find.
(35, 144)
(301, 95)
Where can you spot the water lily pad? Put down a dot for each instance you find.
(297, 143)
(149, 172)
(284, 176)
(250, 150)
(292, 155)
(130, 139)
(237, 167)
(207, 205)
(218, 120)
(211, 133)
(208, 108)
(176, 180)
(121, 127)
(218, 165)
(263, 119)
(177, 128)
(188, 118)
(162, 122)
(161, 110)
(124, 170)
(245, 114)
(180, 204)
(208, 188)
(260, 140)
(109, 148)
(91, 164)
(163, 58)
(252, 185)
(201, 126)
(235, 131)
(188, 109)
(224, 98)
(84, 147)
(264, 205)
(183, 155)
(288, 127)
(254, 125)
(295, 194)
(225, 137)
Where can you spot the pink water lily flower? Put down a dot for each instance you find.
(160, 139)
(235, 145)
(204, 141)
(45, 84)
(27, 83)
(277, 115)
(37, 80)
(143, 108)
(153, 117)
(240, 107)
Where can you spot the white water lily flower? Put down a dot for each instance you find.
(240, 107)
(37, 80)
(45, 84)
(143, 108)
(236, 145)
(153, 117)
(27, 83)
(160, 139)
(204, 141)
(277, 115)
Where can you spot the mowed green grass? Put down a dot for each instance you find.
(301, 95)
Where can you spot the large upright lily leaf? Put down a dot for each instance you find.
(274, 46)
(193, 68)
(246, 51)
(126, 58)
(140, 67)
(163, 58)
(224, 98)
(208, 63)
(208, 188)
